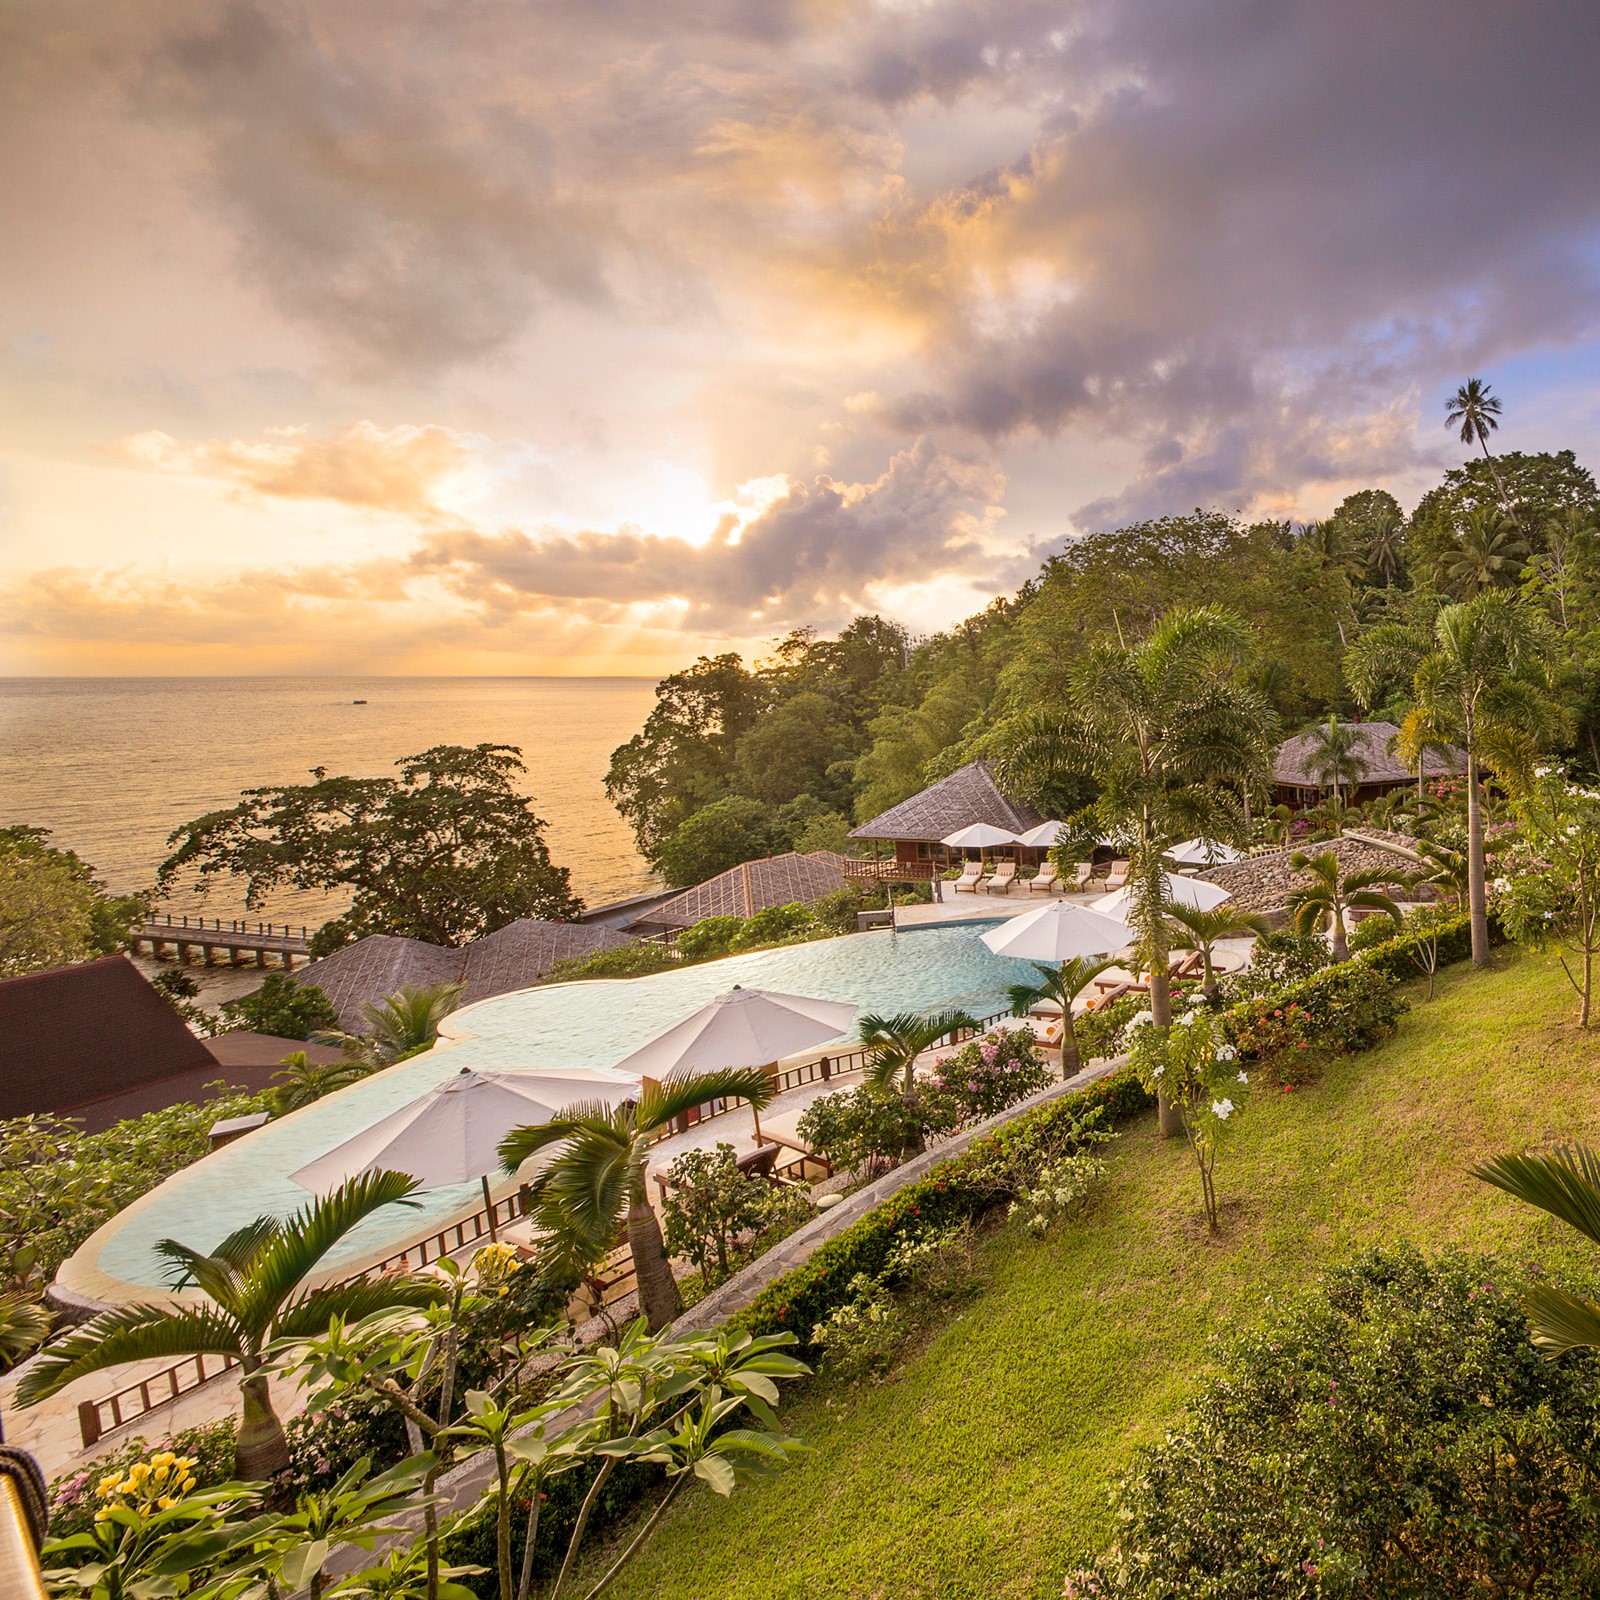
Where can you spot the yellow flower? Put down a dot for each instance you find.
(187, 1484)
(101, 1515)
(166, 1502)
(137, 1473)
(109, 1485)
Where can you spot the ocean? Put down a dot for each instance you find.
(112, 765)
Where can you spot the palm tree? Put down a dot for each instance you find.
(1333, 757)
(252, 1281)
(307, 1080)
(1200, 930)
(1475, 687)
(405, 1021)
(1321, 904)
(1476, 412)
(1488, 553)
(893, 1043)
(1062, 985)
(1172, 735)
(1445, 869)
(1386, 545)
(594, 1188)
(1566, 1183)
(24, 1323)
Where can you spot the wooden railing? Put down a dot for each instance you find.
(97, 1417)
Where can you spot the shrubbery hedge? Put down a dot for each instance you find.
(1398, 957)
(1351, 1006)
(950, 1193)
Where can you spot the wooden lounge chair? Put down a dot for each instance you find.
(967, 883)
(1118, 876)
(1004, 875)
(1081, 874)
(1045, 880)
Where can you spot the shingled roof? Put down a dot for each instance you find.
(514, 957)
(969, 794)
(80, 1034)
(786, 880)
(1292, 766)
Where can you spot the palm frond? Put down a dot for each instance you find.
(308, 1315)
(130, 1333)
(660, 1103)
(1566, 1183)
(310, 1234)
(583, 1193)
(589, 1118)
(1560, 1321)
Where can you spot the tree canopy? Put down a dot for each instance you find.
(447, 851)
(54, 910)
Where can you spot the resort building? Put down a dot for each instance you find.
(784, 880)
(917, 826)
(96, 1043)
(516, 956)
(1297, 782)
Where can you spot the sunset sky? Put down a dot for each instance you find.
(481, 336)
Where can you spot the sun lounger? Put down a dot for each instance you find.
(1045, 880)
(967, 883)
(1004, 874)
(1081, 874)
(1118, 876)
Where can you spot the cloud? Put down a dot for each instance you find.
(404, 469)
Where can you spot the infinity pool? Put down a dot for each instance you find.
(591, 1024)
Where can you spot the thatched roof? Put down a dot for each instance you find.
(786, 880)
(969, 794)
(1264, 883)
(514, 957)
(1293, 765)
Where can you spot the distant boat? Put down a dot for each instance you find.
(358, 702)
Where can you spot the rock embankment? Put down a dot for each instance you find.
(1264, 883)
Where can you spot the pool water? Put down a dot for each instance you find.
(592, 1024)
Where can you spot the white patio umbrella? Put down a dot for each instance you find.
(1042, 837)
(979, 836)
(452, 1133)
(1203, 853)
(742, 1028)
(1059, 932)
(1175, 889)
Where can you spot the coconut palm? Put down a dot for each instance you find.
(1487, 553)
(1478, 686)
(1323, 903)
(1062, 985)
(1475, 411)
(1333, 757)
(1172, 734)
(1566, 1183)
(1194, 929)
(306, 1081)
(594, 1187)
(1386, 545)
(252, 1284)
(400, 1023)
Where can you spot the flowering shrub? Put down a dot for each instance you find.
(1059, 1191)
(1393, 1433)
(1195, 1066)
(207, 1451)
(159, 1483)
(858, 1339)
(1102, 1030)
(869, 1129)
(710, 1202)
(1351, 1006)
(1277, 961)
(1279, 1042)
(987, 1075)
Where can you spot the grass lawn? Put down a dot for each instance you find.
(980, 1467)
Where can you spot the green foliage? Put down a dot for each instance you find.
(1439, 938)
(710, 1202)
(54, 910)
(58, 1184)
(961, 1189)
(835, 914)
(1101, 1033)
(775, 925)
(989, 1075)
(714, 838)
(709, 939)
(1281, 1043)
(1391, 1433)
(1277, 961)
(1351, 1006)
(209, 1446)
(827, 830)
(870, 1128)
(636, 960)
(446, 852)
(283, 1007)
(400, 1025)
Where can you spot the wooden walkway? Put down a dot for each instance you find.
(262, 943)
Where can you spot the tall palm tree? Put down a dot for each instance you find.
(1333, 757)
(1062, 985)
(1195, 929)
(1487, 553)
(400, 1023)
(594, 1188)
(1475, 411)
(1386, 545)
(1566, 1183)
(252, 1281)
(1322, 903)
(1477, 686)
(1173, 735)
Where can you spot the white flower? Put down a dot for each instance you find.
(1140, 1019)
(1549, 916)
(1186, 1020)
(1196, 999)
(1543, 772)
(1244, 1077)
(1226, 1052)
(1156, 1072)
(1222, 1109)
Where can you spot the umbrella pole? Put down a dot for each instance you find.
(488, 1203)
